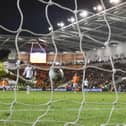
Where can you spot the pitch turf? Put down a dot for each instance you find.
(64, 108)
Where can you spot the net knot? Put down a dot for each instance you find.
(106, 44)
(50, 2)
(114, 103)
(114, 70)
(75, 11)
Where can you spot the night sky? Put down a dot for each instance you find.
(34, 13)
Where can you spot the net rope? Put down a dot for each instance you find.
(51, 100)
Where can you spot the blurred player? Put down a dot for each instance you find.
(75, 81)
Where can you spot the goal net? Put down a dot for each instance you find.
(89, 51)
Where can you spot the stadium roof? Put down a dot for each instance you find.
(94, 30)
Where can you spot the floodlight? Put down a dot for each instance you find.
(95, 8)
(114, 1)
(61, 24)
(83, 13)
(72, 19)
(98, 8)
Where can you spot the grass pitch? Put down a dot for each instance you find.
(64, 108)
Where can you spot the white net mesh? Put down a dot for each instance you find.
(68, 108)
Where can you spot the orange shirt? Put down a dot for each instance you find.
(75, 79)
(3, 83)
